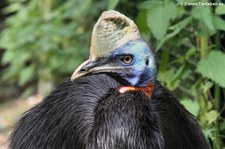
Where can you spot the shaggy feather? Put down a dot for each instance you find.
(89, 113)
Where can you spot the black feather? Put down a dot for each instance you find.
(90, 113)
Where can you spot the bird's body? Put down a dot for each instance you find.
(112, 101)
(91, 113)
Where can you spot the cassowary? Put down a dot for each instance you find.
(112, 101)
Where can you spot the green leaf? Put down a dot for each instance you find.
(12, 8)
(148, 5)
(220, 10)
(142, 22)
(26, 74)
(219, 23)
(213, 67)
(222, 126)
(212, 116)
(159, 18)
(190, 52)
(112, 4)
(204, 15)
(203, 31)
(179, 73)
(8, 56)
(37, 30)
(209, 133)
(180, 25)
(175, 30)
(169, 79)
(191, 106)
(207, 85)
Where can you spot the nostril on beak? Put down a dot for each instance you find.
(147, 62)
(83, 69)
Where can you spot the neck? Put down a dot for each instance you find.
(147, 89)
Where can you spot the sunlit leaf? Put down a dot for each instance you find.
(159, 18)
(212, 116)
(220, 9)
(12, 8)
(191, 106)
(112, 4)
(148, 5)
(219, 23)
(169, 79)
(8, 56)
(213, 67)
(180, 25)
(175, 30)
(207, 85)
(26, 74)
(203, 14)
(209, 133)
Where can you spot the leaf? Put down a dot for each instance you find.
(204, 15)
(203, 31)
(219, 23)
(142, 22)
(168, 78)
(209, 133)
(191, 106)
(213, 67)
(190, 52)
(112, 4)
(207, 85)
(180, 25)
(26, 74)
(148, 5)
(176, 29)
(179, 73)
(8, 56)
(212, 116)
(159, 17)
(220, 10)
(12, 8)
(222, 126)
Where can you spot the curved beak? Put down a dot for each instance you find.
(77, 73)
(93, 67)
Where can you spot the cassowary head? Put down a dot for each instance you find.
(117, 47)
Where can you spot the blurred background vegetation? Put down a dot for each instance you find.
(43, 41)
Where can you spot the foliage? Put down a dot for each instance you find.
(192, 62)
(213, 67)
(46, 40)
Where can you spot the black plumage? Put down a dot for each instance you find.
(90, 113)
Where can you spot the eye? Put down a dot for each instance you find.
(127, 59)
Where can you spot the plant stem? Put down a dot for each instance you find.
(203, 47)
(164, 61)
(217, 125)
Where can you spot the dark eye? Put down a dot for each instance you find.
(127, 59)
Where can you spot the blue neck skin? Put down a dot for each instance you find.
(143, 68)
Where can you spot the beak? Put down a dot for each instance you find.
(93, 67)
